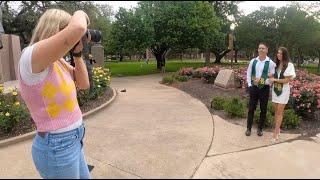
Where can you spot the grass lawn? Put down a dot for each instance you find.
(142, 68)
(312, 68)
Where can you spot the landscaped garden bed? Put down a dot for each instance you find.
(15, 119)
(301, 114)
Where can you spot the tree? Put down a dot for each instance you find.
(224, 10)
(127, 36)
(23, 20)
(177, 25)
(298, 30)
(259, 26)
(289, 26)
(162, 26)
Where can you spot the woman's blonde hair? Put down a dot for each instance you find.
(49, 24)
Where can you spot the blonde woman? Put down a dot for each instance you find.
(284, 73)
(48, 86)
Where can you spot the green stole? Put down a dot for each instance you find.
(264, 75)
(277, 87)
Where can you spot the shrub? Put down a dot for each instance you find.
(167, 80)
(101, 80)
(290, 118)
(218, 103)
(304, 101)
(235, 108)
(269, 118)
(197, 73)
(12, 111)
(209, 75)
(182, 78)
(186, 72)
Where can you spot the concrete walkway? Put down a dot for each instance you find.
(150, 131)
(155, 131)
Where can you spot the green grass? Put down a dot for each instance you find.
(312, 68)
(142, 68)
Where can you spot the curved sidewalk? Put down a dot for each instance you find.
(149, 131)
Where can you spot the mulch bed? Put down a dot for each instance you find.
(26, 126)
(197, 88)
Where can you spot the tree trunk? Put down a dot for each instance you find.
(219, 55)
(161, 61)
(299, 58)
(160, 53)
(207, 60)
(236, 56)
(121, 58)
(181, 56)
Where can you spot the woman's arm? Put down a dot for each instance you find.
(81, 73)
(284, 81)
(49, 50)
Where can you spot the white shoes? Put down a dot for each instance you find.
(274, 140)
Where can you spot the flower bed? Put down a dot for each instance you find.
(305, 91)
(15, 118)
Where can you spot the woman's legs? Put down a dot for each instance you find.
(275, 106)
(84, 170)
(278, 119)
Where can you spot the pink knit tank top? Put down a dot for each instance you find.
(53, 102)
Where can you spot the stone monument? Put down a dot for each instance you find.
(225, 79)
(97, 52)
(9, 57)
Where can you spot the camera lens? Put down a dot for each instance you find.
(95, 35)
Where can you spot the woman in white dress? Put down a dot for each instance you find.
(284, 73)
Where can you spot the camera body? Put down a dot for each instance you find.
(95, 37)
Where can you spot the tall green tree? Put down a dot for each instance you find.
(177, 25)
(127, 36)
(259, 26)
(291, 26)
(229, 13)
(23, 20)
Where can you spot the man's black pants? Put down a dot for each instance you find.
(261, 95)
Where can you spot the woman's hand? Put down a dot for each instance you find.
(256, 81)
(272, 80)
(79, 47)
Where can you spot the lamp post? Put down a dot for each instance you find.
(231, 41)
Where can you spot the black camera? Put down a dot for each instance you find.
(95, 35)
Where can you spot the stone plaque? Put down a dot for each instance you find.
(225, 79)
(97, 52)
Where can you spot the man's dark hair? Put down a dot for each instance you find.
(264, 44)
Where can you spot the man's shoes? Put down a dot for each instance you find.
(248, 132)
(259, 132)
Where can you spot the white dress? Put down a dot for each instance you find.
(283, 98)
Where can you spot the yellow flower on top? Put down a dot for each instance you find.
(10, 89)
(14, 93)
(7, 114)
(17, 103)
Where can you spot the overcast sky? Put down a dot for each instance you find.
(247, 7)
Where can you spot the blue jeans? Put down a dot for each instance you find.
(60, 156)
